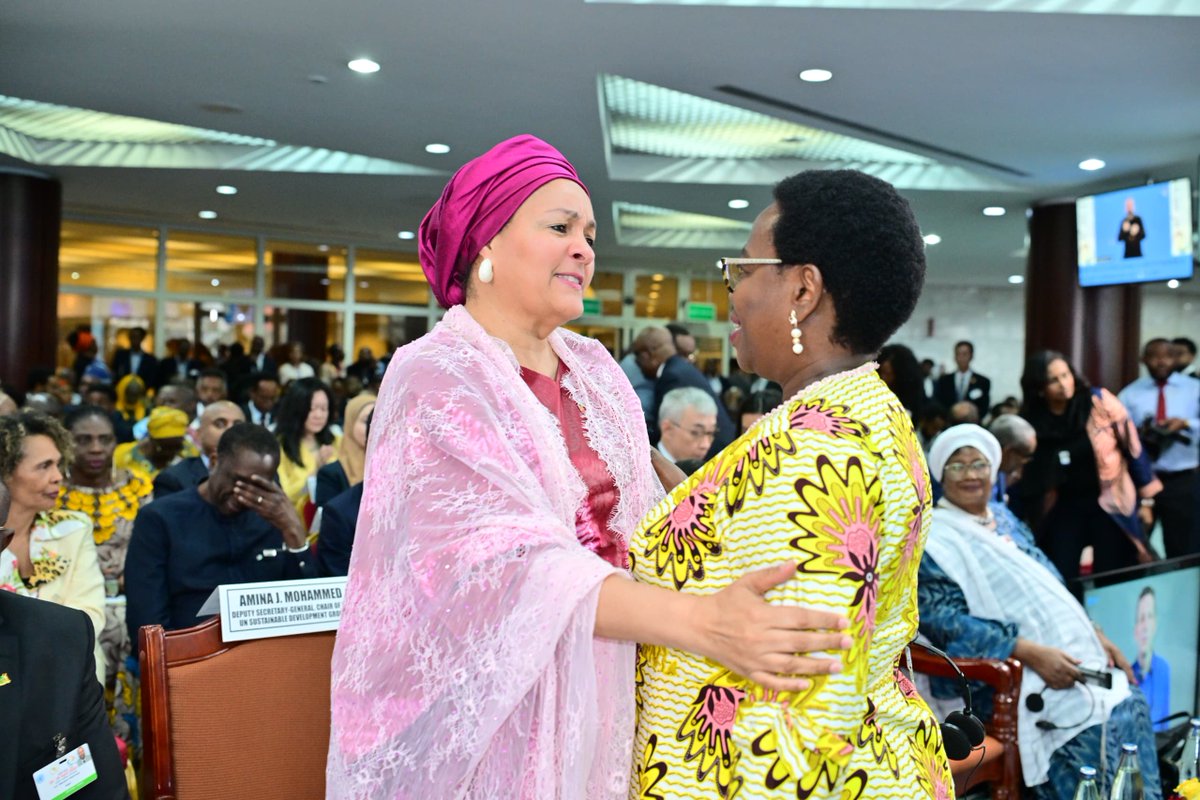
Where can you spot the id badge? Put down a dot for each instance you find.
(1064, 457)
(66, 775)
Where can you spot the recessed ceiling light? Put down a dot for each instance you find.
(207, 215)
(816, 75)
(932, 238)
(994, 211)
(656, 276)
(364, 65)
(213, 315)
(215, 282)
(406, 235)
(437, 149)
(323, 248)
(1016, 279)
(74, 276)
(363, 284)
(226, 189)
(1091, 164)
(1172, 284)
(737, 202)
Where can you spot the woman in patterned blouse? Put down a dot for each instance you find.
(833, 480)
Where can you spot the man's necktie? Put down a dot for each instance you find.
(1160, 413)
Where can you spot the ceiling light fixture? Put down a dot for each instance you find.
(994, 211)
(215, 282)
(437, 149)
(932, 238)
(815, 75)
(364, 66)
(658, 276)
(226, 189)
(1016, 279)
(406, 235)
(323, 248)
(74, 276)
(1091, 164)
(207, 215)
(1172, 284)
(739, 203)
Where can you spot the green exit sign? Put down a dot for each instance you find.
(701, 312)
(591, 306)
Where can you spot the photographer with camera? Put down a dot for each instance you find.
(1166, 407)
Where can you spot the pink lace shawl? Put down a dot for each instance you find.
(465, 665)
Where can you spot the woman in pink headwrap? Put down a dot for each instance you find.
(486, 641)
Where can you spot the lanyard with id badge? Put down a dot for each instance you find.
(67, 773)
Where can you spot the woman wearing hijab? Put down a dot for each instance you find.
(485, 648)
(835, 479)
(986, 591)
(347, 471)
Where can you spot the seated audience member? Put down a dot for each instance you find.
(333, 367)
(347, 471)
(47, 666)
(964, 413)
(131, 401)
(104, 397)
(264, 394)
(757, 406)
(51, 555)
(305, 437)
(339, 518)
(931, 421)
(193, 470)
(687, 422)
(180, 396)
(1018, 443)
(166, 443)
(899, 369)
(236, 527)
(985, 591)
(210, 387)
(364, 368)
(295, 368)
(1009, 405)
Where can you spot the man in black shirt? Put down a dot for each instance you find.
(1132, 231)
(236, 527)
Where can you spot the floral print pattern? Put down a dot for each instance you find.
(836, 481)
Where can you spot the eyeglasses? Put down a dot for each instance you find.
(958, 469)
(701, 433)
(734, 269)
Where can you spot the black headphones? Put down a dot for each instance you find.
(962, 731)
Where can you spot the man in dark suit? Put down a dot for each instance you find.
(264, 394)
(656, 356)
(133, 360)
(50, 701)
(180, 366)
(964, 383)
(216, 419)
(339, 518)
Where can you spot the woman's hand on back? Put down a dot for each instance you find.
(764, 642)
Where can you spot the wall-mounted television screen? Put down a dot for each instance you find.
(1135, 235)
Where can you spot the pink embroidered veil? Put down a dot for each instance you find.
(465, 664)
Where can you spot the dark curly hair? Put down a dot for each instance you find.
(863, 237)
(909, 381)
(14, 430)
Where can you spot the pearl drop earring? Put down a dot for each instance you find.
(797, 348)
(486, 273)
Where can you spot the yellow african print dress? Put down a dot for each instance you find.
(835, 480)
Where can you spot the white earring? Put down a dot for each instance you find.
(486, 273)
(797, 348)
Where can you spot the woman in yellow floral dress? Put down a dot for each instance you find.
(111, 498)
(833, 480)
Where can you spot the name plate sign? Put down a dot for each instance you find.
(280, 608)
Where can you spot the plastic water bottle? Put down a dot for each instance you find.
(1189, 759)
(1127, 785)
(1087, 788)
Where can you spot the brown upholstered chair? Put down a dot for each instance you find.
(999, 763)
(237, 720)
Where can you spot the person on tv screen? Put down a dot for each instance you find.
(1132, 231)
(1152, 671)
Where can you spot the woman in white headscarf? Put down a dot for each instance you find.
(986, 591)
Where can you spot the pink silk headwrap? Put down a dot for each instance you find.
(477, 203)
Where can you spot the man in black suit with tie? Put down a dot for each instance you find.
(656, 356)
(180, 366)
(264, 394)
(964, 383)
(133, 360)
(50, 701)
